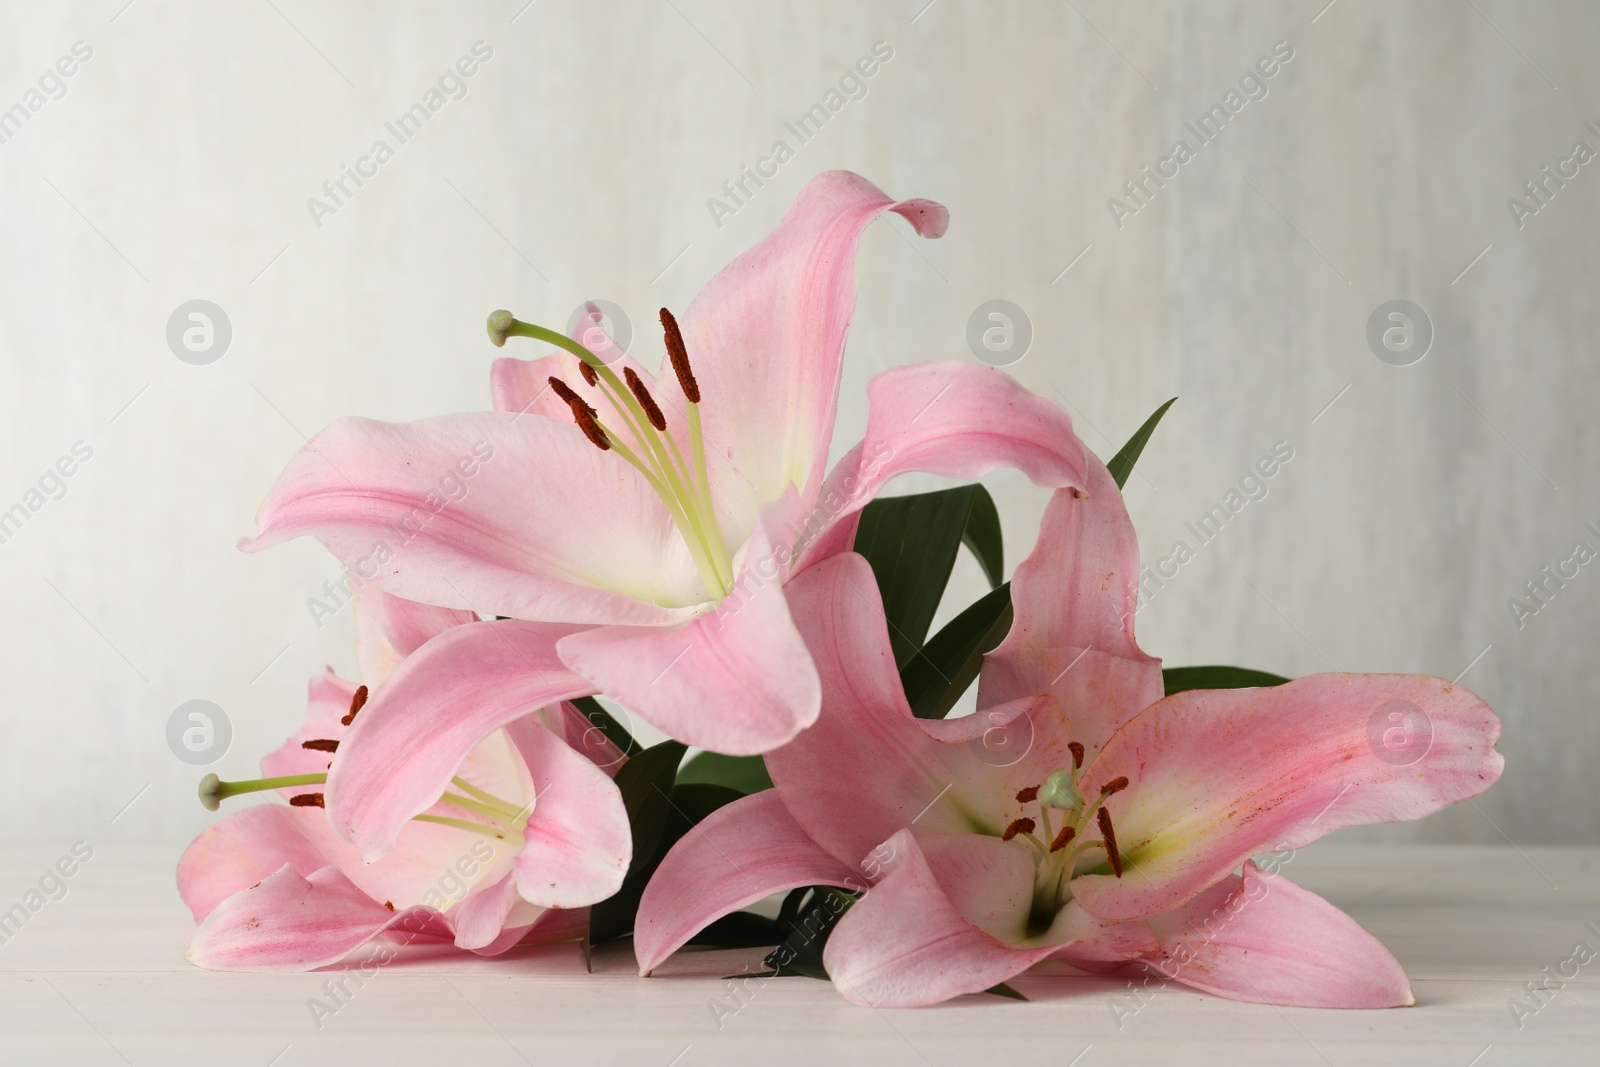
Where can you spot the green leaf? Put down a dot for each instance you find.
(982, 535)
(689, 805)
(741, 929)
(800, 952)
(1003, 990)
(912, 541)
(747, 774)
(943, 668)
(645, 782)
(1179, 679)
(601, 720)
(1121, 464)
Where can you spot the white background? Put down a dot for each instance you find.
(579, 164)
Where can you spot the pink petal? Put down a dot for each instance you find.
(487, 512)
(390, 628)
(1220, 775)
(736, 680)
(899, 771)
(430, 864)
(480, 919)
(766, 335)
(1261, 938)
(574, 727)
(327, 701)
(906, 944)
(578, 842)
(405, 745)
(739, 854)
(290, 923)
(961, 420)
(243, 848)
(1074, 599)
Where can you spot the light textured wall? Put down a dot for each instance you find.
(579, 164)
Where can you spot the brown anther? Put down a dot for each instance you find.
(582, 414)
(588, 373)
(679, 355)
(571, 399)
(1018, 826)
(321, 744)
(1116, 785)
(646, 401)
(355, 705)
(389, 904)
(307, 800)
(1063, 839)
(1028, 795)
(1103, 817)
(591, 429)
(1077, 753)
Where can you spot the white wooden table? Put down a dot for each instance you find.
(98, 977)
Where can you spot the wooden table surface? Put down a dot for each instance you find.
(98, 977)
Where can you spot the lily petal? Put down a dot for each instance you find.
(402, 750)
(480, 919)
(766, 335)
(290, 923)
(390, 628)
(1220, 775)
(327, 702)
(905, 943)
(957, 419)
(1074, 599)
(1259, 937)
(736, 680)
(741, 853)
(577, 844)
(245, 847)
(900, 771)
(487, 512)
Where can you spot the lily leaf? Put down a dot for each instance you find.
(1003, 990)
(658, 815)
(1179, 679)
(912, 541)
(741, 929)
(747, 774)
(1121, 464)
(800, 952)
(942, 669)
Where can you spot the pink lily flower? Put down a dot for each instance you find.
(1085, 818)
(507, 835)
(659, 519)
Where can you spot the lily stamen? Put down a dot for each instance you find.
(1103, 817)
(307, 800)
(683, 486)
(321, 744)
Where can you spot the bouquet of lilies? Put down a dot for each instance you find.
(675, 543)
